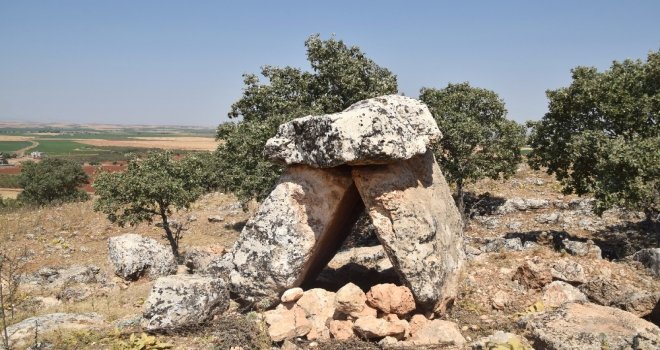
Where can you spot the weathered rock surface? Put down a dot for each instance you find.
(294, 234)
(391, 299)
(650, 258)
(184, 300)
(372, 327)
(319, 307)
(287, 322)
(436, 332)
(350, 299)
(133, 255)
(198, 259)
(374, 131)
(588, 248)
(568, 271)
(557, 293)
(292, 295)
(501, 341)
(22, 333)
(341, 330)
(588, 326)
(418, 224)
(533, 274)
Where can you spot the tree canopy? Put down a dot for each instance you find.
(601, 135)
(341, 75)
(150, 187)
(478, 141)
(52, 181)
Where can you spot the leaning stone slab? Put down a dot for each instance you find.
(374, 131)
(294, 234)
(418, 224)
(184, 301)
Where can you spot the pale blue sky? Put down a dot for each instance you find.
(180, 62)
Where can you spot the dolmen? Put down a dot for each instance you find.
(374, 155)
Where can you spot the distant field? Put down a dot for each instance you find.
(65, 147)
(13, 146)
(9, 181)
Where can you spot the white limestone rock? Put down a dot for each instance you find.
(133, 255)
(374, 131)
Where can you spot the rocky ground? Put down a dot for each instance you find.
(542, 272)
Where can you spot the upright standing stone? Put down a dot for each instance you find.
(294, 234)
(418, 224)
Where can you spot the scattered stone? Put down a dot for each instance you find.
(502, 244)
(650, 258)
(533, 274)
(371, 327)
(550, 218)
(287, 322)
(350, 299)
(21, 334)
(388, 341)
(568, 271)
(318, 305)
(588, 248)
(501, 341)
(374, 131)
(418, 224)
(436, 332)
(183, 301)
(133, 255)
(514, 225)
(291, 295)
(391, 299)
(215, 218)
(341, 330)
(588, 326)
(558, 292)
(500, 300)
(522, 204)
(198, 259)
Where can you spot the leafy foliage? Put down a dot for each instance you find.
(53, 180)
(478, 141)
(150, 187)
(601, 135)
(340, 76)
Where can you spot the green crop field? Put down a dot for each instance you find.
(9, 181)
(66, 148)
(13, 146)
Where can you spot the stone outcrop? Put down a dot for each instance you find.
(590, 327)
(377, 155)
(133, 255)
(650, 258)
(375, 131)
(22, 333)
(184, 301)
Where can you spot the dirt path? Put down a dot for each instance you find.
(21, 152)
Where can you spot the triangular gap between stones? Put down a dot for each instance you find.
(344, 223)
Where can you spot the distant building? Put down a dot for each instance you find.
(37, 155)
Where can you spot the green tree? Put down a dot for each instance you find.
(51, 181)
(341, 75)
(150, 187)
(478, 141)
(601, 135)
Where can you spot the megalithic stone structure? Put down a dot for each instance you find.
(374, 154)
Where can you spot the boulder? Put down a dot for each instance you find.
(374, 131)
(568, 271)
(371, 327)
(391, 299)
(589, 326)
(533, 274)
(183, 301)
(22, 333)
(341, 330)
(418, 224)
(292, 295)
(436, 332)
(588, 248)
(319, 307)
(198, 259)
(133, 255)
(296, 231)
(650, 258)
(557, 293)
(350, 299)
(286, 322)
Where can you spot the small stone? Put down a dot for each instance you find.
(341, 330)
(287, 322)
(391, 299)
(216, 218)
(500, 300)
(350, 299)
(435, 332)
(533, 275)
(417, 322)
(558, 292)
(371, 327)
(292, 295)
(568, 271)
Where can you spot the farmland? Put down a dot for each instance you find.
(13, 146)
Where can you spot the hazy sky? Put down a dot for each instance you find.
(180, 62)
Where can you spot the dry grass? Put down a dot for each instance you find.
(9, 192)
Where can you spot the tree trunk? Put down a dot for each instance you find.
(170, 236)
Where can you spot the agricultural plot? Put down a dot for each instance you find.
(13, 146)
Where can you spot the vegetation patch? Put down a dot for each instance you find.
(13, 146)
